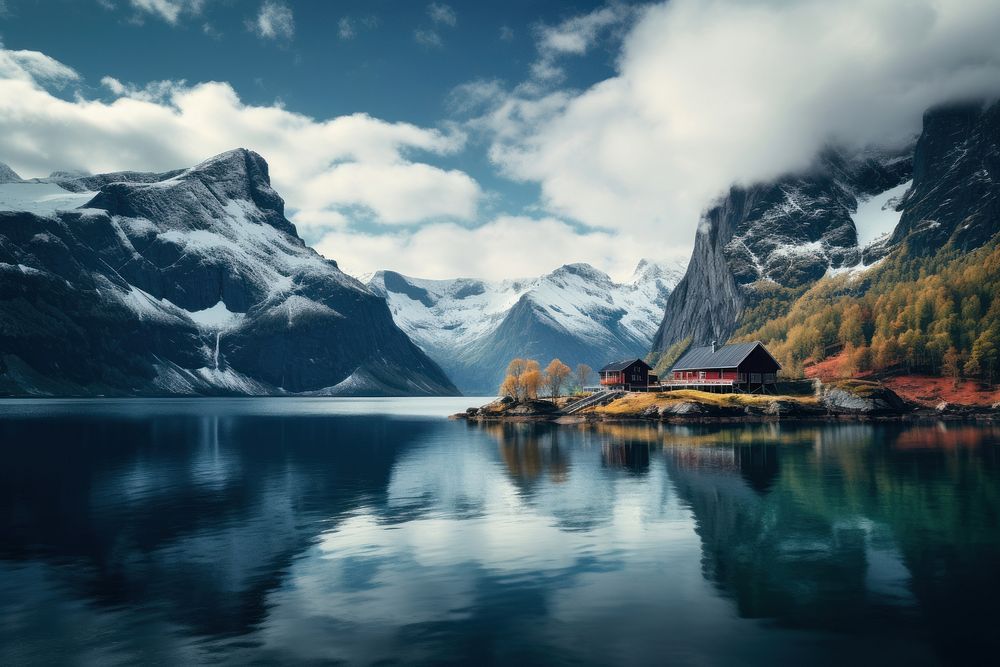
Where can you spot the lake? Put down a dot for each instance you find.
(290, 531)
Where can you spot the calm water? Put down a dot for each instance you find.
(294, 531)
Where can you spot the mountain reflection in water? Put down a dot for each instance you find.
(283, 534)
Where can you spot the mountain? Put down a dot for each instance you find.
(838, 255)
(473, 328)
(785, 234)
(187, 282)
(8, 175)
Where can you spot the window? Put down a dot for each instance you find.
(701, 375)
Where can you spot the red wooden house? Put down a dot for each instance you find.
(630, 375)
(738, 366)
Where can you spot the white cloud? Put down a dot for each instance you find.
(428, 37)
(577, 34)
(509, 246)
(345, 28)
(34, 66)
(168, 10)
(325, 169)
(348, 27)
(574, 36)
(712, 93)
(274, 21)
(506, 33)
(442, 13)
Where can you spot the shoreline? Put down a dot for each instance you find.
(835, 402)
(571, 420)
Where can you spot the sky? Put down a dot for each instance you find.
(484, 139)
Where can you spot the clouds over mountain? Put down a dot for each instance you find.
(504, 247)
(325, 168)
(628, 120)
(712, 93)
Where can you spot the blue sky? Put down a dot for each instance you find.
(483, 139)
(375, 65)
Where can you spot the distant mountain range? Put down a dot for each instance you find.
(186, 282)
(194, 282)
(577, 313)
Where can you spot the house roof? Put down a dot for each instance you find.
(622, 365)
(726, 356)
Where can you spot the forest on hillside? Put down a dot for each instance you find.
(916, 314)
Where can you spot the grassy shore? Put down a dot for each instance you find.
(639, 402)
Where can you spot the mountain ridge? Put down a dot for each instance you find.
(187, 282)
(576, 313)
(916, 298)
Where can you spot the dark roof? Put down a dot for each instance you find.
(726, 356)
(622, 365)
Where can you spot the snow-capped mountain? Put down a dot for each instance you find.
(576, 313)
(761, 246)
(188, 282)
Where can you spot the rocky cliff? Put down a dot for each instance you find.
(188, 282)
(846, 212)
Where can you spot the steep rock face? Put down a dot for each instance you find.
(943, 194)
(190, 282)
(955, 198)
(789, 233)
(473, 328)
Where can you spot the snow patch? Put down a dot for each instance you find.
(877, 216)
(40, 198)
(852, 271)
(216, 317)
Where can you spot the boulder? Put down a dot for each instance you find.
(652, 412)
(862, 398)
(686, 409)
(778, 408)
(532, 408)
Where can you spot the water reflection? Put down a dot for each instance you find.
(255, 536)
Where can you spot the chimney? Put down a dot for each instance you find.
(715, 346)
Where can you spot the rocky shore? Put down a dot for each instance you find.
(841, 400)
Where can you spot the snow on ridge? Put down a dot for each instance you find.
(40, 198)
(576, 298)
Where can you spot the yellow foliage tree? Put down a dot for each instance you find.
(511, 387)
(952, 365)
(516, 383)
(516, 368)
(531, 383)
(555, 376)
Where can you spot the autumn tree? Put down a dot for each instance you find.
(516, 384)
(583, 372)
(516, 368)
(531, 382)
(511, 386)
(952, 365)
(851, 330)
(555, 376)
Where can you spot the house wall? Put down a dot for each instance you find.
(759, 361)
(635, 375)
